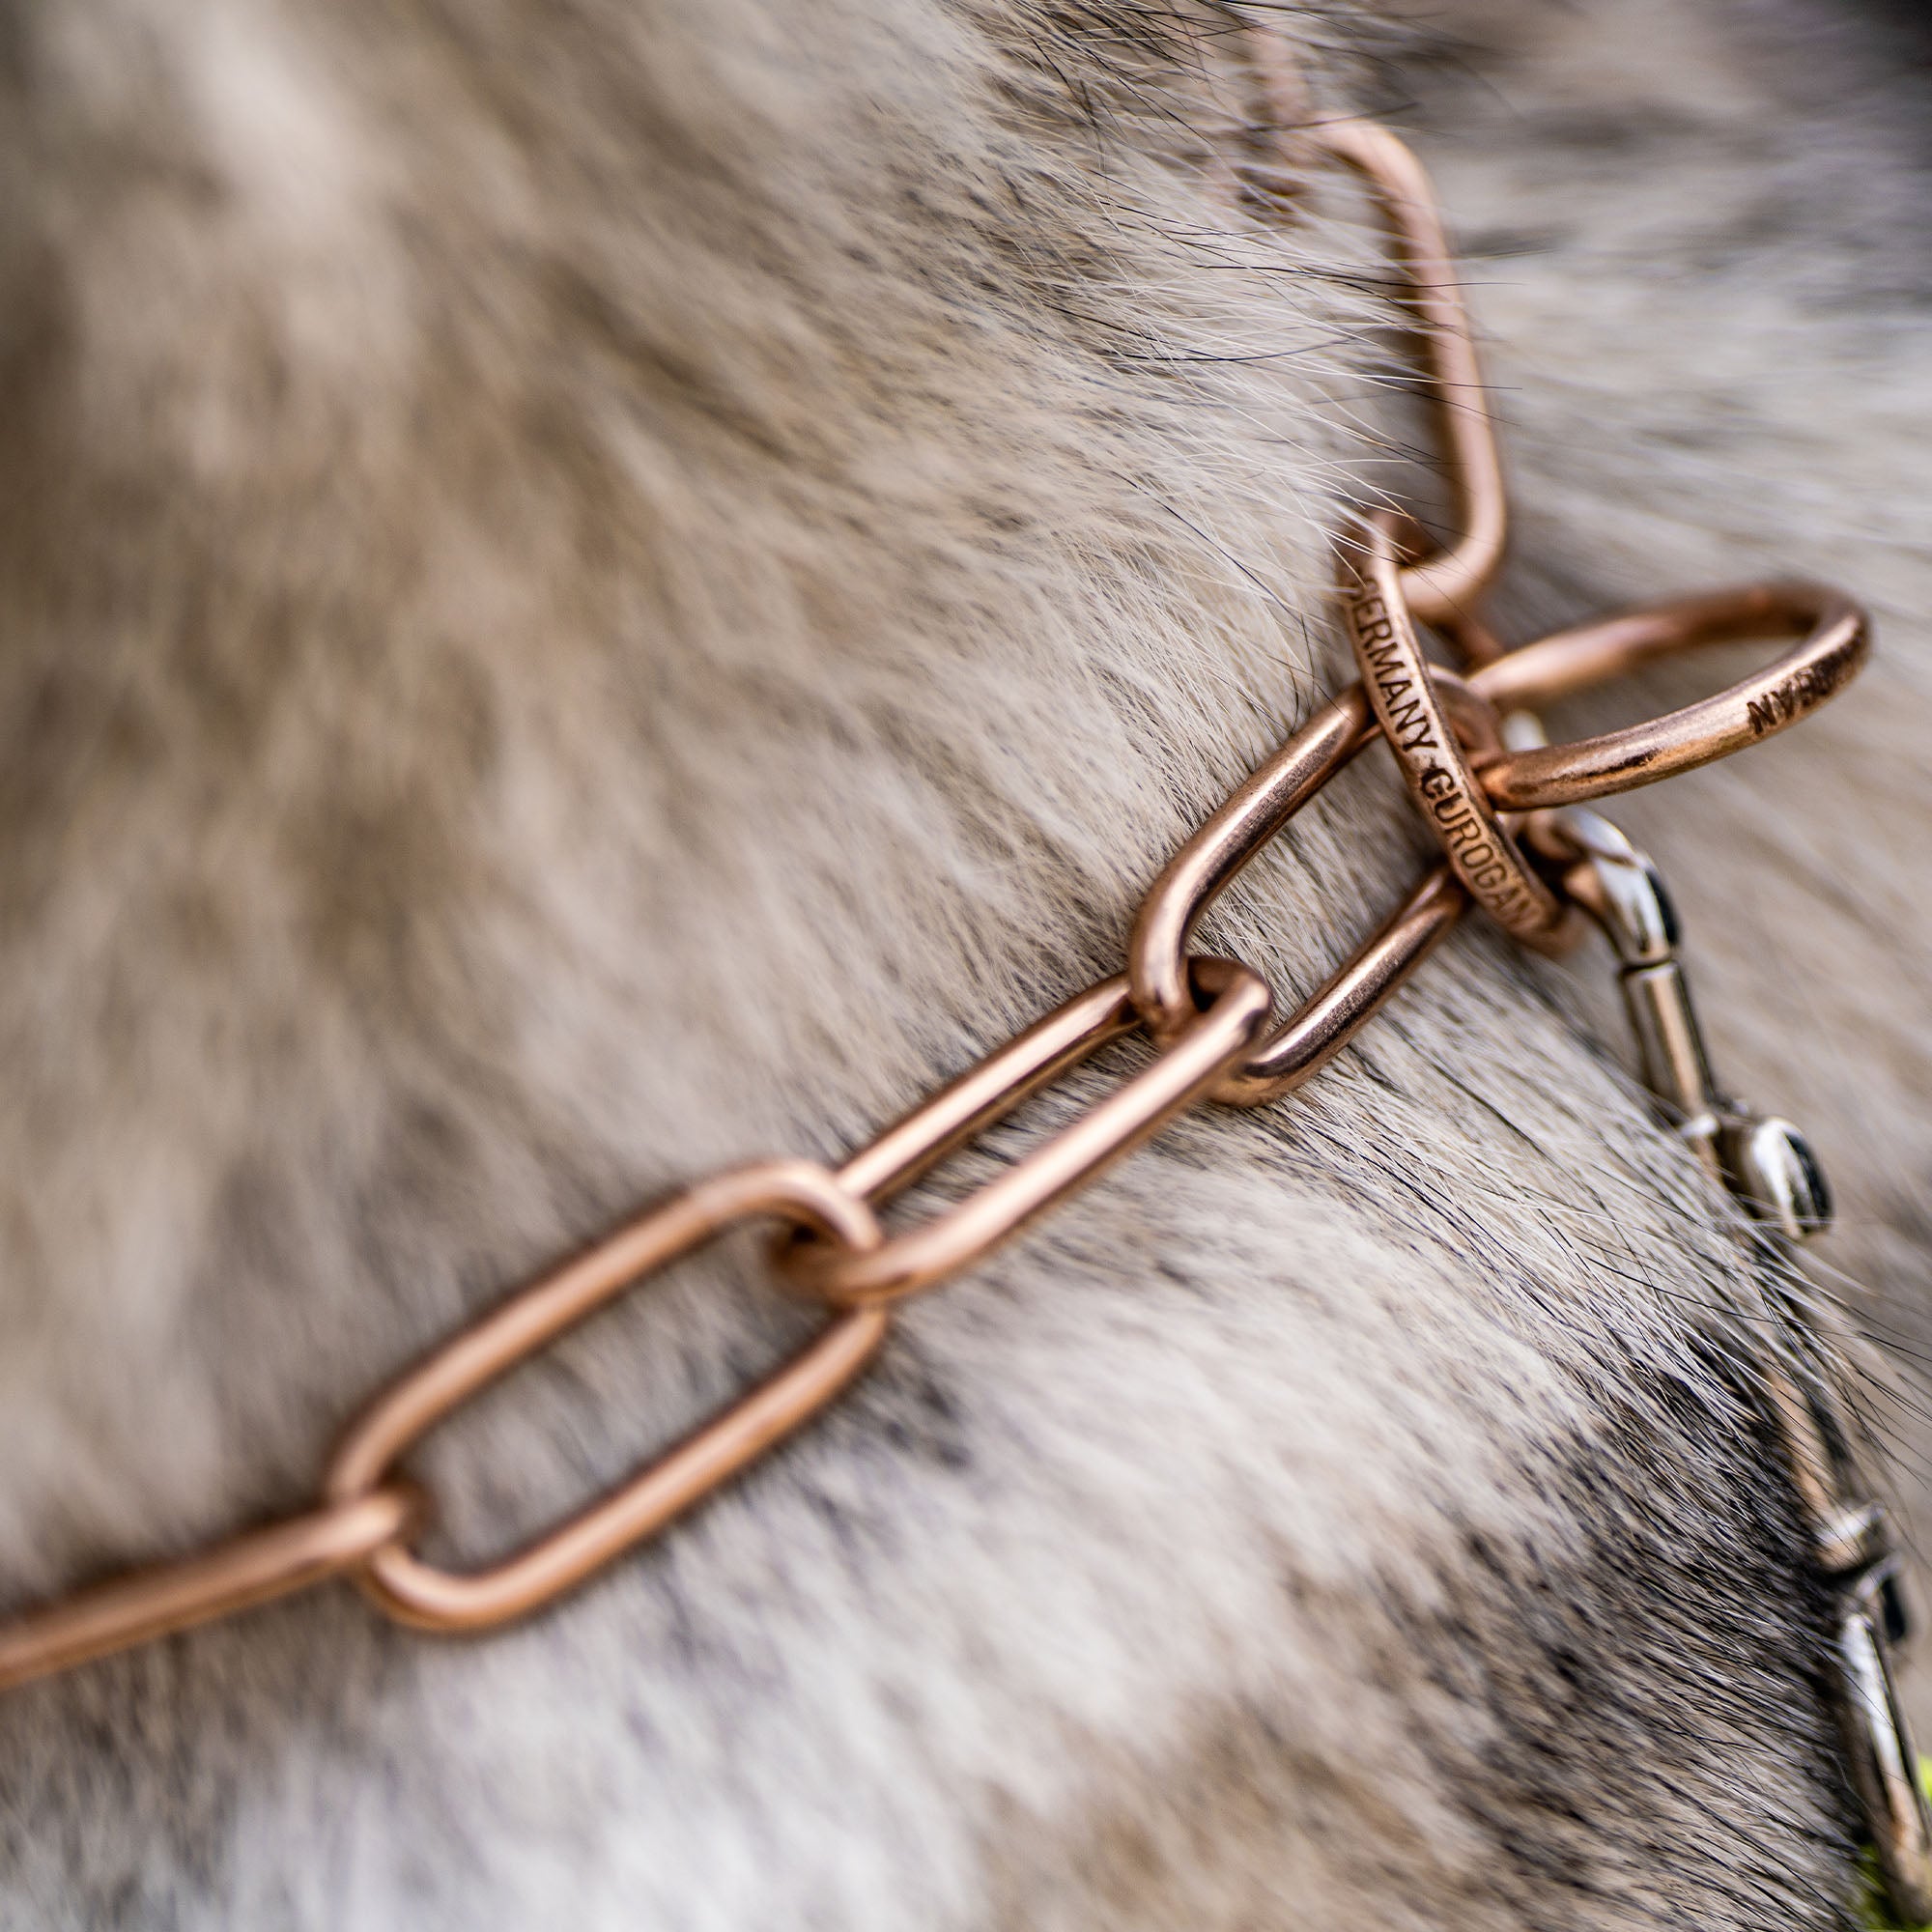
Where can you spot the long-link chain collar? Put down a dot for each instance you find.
(1504, 804)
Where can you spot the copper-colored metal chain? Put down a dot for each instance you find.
(1214, 1044)
(1209, 1022)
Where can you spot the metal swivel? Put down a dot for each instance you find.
(1765, 1161)
(1769, 1165)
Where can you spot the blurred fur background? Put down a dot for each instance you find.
(592, 590)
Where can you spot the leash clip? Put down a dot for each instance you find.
(1768, 1165)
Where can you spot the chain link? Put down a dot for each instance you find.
(1237, 1005)
(1474, 771)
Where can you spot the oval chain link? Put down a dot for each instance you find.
(796, 1191)
(1190, 1066)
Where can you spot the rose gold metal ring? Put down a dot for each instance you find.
(1834, 646)
(1834, 641)
(1398, 677)
(1236, 1004)
(234, 1574)
(416, 1592)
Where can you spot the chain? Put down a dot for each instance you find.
(1504, 804)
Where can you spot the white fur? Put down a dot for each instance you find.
(599, 591)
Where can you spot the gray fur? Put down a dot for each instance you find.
(591, 591)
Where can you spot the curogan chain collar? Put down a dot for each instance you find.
(1505, 805)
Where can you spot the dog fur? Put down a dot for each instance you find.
(598, 590)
